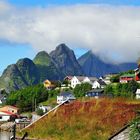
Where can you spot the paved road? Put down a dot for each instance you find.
(5, 135)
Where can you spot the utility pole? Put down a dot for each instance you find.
(14, 132)
(35, 104)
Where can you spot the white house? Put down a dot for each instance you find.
(65, 96)
(106, 79)
(86, 80)
(138, 94)
(4, 116)
(45, 108)
(2, 99)
(76, 80)
(81, 79)
(98, 84)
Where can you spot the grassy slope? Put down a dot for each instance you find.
(85, 120)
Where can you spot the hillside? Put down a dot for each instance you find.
(85, 120)
(19, 75)
(46, 67)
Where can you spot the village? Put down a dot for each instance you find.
(9, 113)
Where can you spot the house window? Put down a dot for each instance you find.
(0, 117)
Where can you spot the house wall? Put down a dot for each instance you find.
(95, 85)
(74, 82)
(137, 96)
(4, 118)
(86, 79)
(9, 109)
(60, 99)
(107, 81)
(137, 78)
(125, 79)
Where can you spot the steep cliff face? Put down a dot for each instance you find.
(66, 61)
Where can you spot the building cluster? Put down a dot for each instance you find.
(98, 86)
(71, 81)
(96, 83)
(129, 77)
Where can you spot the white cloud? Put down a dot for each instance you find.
(113, 32)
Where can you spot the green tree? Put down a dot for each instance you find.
(26, 98)
(39, 112)
(133, 85)
(109, 89)
(81, 89)
(115, 79)
(66, 82)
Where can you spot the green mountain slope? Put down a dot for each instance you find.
(46, 67)
(19, 75)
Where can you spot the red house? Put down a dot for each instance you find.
(126, 78)
(137, 74)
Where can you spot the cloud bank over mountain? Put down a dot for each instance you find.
(112, 32)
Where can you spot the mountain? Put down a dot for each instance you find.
(66, 61)
(28, 70)
(92, 65)
(19, 75)
(46, 67)
(55, 66)
(127, 66)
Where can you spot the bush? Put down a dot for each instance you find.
(124, 90)
(135, 130)
(39, 112)
(81, 89)
(30, 116)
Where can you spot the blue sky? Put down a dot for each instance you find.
(11, 53)
(64, 2)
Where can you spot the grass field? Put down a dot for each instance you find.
(86, 120)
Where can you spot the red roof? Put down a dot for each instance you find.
(68, 77)
(9, 113)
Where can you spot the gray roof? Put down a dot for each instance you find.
(101, 82)
(80, 78)
(65, 94)
(92, 79)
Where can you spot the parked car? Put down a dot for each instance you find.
(22, 120)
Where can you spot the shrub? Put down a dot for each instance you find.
(81, 89)
(39, 112)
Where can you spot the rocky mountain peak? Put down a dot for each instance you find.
(65, 60)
